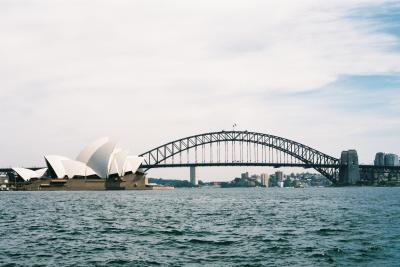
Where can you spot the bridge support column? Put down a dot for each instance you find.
(349, 171)
(193, 179)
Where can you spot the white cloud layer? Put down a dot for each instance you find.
(150, 71)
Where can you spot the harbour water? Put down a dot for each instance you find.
(357, 226)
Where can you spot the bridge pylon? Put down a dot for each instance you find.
(193, 179)
(349, 170)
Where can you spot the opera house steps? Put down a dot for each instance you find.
(130, 182)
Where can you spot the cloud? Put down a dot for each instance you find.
(147, 72)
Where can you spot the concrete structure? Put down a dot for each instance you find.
(349, 172)
(379, 159)
(245, 175)
(391, 160)
(264, 179)
(255, 177)
(4, 182)
(279, 178)
(382, 159)
(128, 182)
(193, 179)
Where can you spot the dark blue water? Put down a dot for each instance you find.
(202, 227)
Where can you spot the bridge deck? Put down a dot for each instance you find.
(217, 164)
(255, 164)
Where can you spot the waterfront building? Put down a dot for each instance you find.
(4, 182)
(279, 178)
(391, 160)
(100, 159)
(379, 159)
(245, 175)
(264, 179)
(255, 178)
(382, 159)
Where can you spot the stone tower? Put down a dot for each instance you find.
(349, 172)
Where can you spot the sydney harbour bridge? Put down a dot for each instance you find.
(245, 148)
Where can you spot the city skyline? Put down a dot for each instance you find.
(325, 76)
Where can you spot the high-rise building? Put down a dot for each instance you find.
(382, 159)
(279, 178)
(379, 159)
(391, 160)
(245, 175)
(264, 179)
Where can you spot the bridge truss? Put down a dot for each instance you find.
(240, 148)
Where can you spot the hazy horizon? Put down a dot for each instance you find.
(149, 72)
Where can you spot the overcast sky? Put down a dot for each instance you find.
(324, 73)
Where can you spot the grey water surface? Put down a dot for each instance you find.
(357, 226)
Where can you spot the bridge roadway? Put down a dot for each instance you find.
(275, 165)
(232, 164)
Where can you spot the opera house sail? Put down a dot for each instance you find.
(101, 161)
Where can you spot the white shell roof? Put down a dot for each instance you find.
(90, 149)
(119, 160)
(57, 165)
(41, 172)
(113, 167)
(63, 166)
(133, 163)
(26, 174)
(100, 160)
(76, 168)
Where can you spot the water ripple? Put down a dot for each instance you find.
(202, 227)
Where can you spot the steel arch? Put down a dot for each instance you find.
(323, 163)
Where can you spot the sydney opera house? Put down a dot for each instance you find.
(99, 166)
